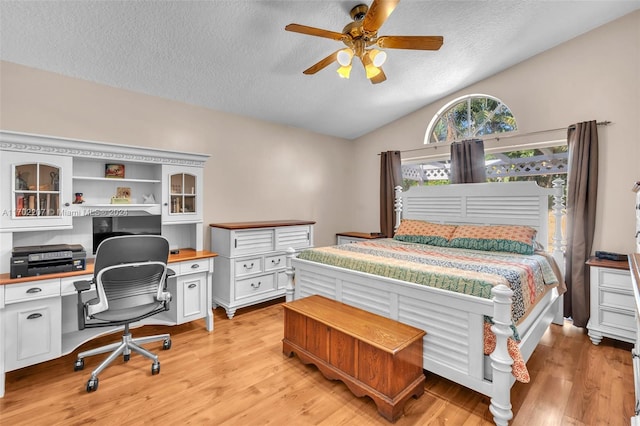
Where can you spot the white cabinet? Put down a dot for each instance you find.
(181, 194)
(32, 323)
(251, 258)
(612, 310)
(188, 291)
(36, 191)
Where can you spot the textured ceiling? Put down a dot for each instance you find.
(235, 56)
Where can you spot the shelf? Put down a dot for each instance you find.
(102, 179)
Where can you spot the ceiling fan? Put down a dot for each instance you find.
(362, 41)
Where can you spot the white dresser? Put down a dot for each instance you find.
(612, 309)
(251, 262)
(634, 265)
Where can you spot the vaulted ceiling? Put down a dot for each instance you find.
(235, 56)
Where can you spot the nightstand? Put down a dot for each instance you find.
(612, 306)
(354, 237)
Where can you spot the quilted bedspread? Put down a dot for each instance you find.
(465, 271)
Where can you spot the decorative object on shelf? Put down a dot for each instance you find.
(123, 192)
(114, 171)
(123, 195)
(79, 198)
(55, 180)
(21, 182)
(148, 199)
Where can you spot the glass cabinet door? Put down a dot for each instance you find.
(183, 193)
(36, 190)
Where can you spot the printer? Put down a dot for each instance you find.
(29, 261)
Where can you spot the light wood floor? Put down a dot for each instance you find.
(237, 375)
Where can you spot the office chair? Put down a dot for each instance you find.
(130, 276)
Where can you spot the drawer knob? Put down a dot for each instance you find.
(34, 290)
(195, 266)
(276, 262)
(248, 267)
(192, 285)
(254, 285)
(34, 316)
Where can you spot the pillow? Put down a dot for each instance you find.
(507, 238)
(419, 231)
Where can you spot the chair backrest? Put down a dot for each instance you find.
(130, 271)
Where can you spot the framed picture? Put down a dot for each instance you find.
(114, 171)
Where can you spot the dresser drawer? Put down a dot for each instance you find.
(617, 299)
(614, 278)
(618, 320)
(191, 267)
(32, 290)
(248, 266)
(272, 263)
(254, 286)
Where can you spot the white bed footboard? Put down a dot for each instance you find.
(453, 322)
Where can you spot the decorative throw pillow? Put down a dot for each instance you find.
(420, 231)
(507, 238)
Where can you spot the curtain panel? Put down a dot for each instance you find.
(467, 162)
(390, 177)
(582, 140)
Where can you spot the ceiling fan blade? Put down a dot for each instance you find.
(378, 78)
(410, 42)
(303, 29)
(378, 12)
(323, 63)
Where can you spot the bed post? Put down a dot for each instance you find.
(398, 209)
(291, 253)
(501, 361)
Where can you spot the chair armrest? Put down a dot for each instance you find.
(83, 285)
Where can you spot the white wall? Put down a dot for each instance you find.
(257, 170)
(592, 77)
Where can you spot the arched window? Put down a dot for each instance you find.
(470, 116)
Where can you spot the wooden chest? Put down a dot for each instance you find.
(373, 355)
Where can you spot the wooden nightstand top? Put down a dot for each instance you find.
(363, 235)
(606, 263)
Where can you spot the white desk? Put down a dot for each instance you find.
(38, 315)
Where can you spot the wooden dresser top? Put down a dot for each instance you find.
(261, 224)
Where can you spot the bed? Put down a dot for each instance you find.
(455, 323)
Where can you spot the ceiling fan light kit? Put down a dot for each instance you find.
(360, 37)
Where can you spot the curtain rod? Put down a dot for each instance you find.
(573, 126)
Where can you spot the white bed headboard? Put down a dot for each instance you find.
(504, 203)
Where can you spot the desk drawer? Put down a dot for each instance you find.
(32, 291)
(191, 267)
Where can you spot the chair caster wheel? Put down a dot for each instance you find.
(79, 365)
(155, 368)
(126, 357)
(166, 345)
(92, 385)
